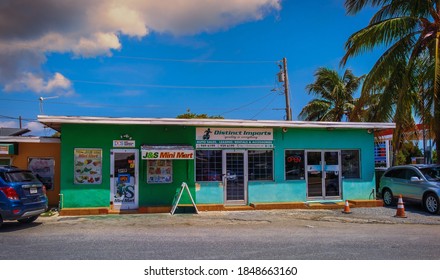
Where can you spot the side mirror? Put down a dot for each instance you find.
(415, 179)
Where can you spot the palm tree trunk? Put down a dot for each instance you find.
(436, 98)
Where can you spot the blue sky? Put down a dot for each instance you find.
(219, 59)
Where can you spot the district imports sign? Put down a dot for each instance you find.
(214, 137)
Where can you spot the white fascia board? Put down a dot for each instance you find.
(29, 139)
(53, 121)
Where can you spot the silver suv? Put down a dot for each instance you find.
(415, 183)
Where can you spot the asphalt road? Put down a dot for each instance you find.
(366, 234)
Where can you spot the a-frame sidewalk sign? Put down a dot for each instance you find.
(178, 196)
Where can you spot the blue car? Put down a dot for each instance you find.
(22, 195)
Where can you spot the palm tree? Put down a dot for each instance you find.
(409, 30)
(334, 96)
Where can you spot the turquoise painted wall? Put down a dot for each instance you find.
(278, 190)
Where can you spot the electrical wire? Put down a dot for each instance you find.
(247, 104)
(264, 108)
(171, 86)
(196, 60)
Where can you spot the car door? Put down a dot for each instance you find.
(413, 189)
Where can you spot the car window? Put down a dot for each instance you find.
(20, 176)
(396, 173)
(411, 173)
(432, 173)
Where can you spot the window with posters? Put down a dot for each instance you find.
(44, 169)
(159, 171)
(88, 166)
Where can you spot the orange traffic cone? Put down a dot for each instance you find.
(400, 208)
(346, 208)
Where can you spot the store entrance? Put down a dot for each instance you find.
(323, 175)
(124, 179)
(235, 177)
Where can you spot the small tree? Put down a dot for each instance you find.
(190, 115)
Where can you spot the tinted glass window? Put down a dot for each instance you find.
(260, 165)
(396, 173)
(20, 176)
(350, 164)
(411, 173)
(209, 165)
(432, 173)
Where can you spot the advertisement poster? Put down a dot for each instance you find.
(159, 171)
(88, 166)
(124, 189)
(44, 168)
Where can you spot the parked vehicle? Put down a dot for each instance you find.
(415, 183)
(22, 195)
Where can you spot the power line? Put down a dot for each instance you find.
(171, 86)
(265, 107)
(247, 104)
(196, 60)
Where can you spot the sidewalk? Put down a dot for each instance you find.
(358, 215)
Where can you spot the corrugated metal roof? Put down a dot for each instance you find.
(5, 131)
(55, 122)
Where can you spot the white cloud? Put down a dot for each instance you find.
(28, 81)
(9, 124)
(92, 28)
(36, 128)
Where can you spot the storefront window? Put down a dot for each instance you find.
(350, 164)
(159, 171)
(294, 164)
(44, 168)
(208, 165)
(260, 165)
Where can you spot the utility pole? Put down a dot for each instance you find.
(286, 91)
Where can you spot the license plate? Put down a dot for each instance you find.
(33, 190)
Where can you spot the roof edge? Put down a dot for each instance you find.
(56, 121)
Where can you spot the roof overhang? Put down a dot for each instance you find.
(28, 139)
(55, 122)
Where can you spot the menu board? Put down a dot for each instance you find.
(88, 166)
(159, 171)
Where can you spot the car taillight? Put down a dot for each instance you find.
(44, 190)
(10, 193)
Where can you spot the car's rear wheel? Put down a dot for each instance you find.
(431, 203)
(387, 197)
(28, 220)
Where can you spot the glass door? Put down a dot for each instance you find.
(124, 179)
(323, 174)
(235, 177)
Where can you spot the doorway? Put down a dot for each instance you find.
(124, 186)
(235, 177)
(323, 171)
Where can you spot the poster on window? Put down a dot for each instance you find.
(88, 166)
(159, 171)
(44, 169)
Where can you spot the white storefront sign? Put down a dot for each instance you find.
(213, 137)
(124, 143)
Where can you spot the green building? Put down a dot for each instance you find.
(139, 163)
